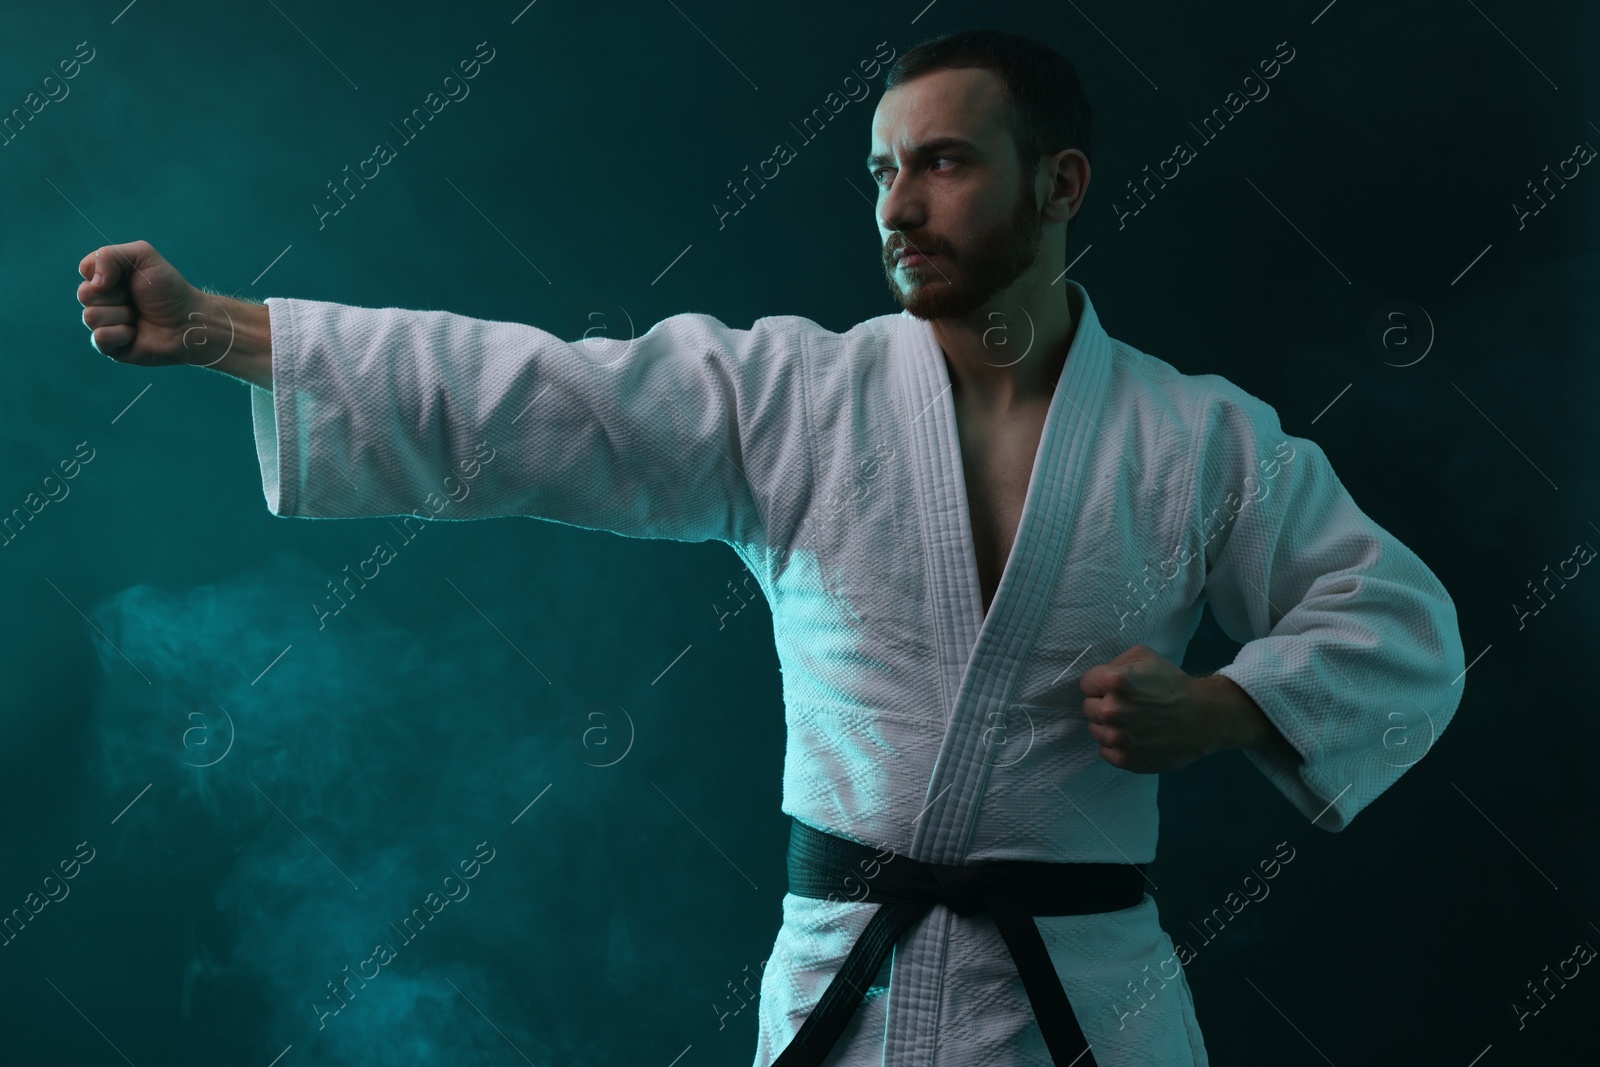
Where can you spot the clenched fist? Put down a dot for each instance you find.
(1149, 716)
(142, 311)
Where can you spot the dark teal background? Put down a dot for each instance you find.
(465, 682)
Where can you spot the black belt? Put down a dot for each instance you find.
(825, 866)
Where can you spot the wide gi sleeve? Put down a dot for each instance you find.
(1351, 645)
(387, 411)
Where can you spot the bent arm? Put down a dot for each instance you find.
(1351, 646)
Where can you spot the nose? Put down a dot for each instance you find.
(900, 208)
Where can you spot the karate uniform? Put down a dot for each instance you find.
(830, 462)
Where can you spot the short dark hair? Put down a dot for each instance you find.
(1049, 110)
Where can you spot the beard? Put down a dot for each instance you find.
(962, 282)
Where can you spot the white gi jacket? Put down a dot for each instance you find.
(830, 463)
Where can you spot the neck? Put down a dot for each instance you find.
(1010, 354)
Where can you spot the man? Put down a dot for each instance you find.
(987, 532)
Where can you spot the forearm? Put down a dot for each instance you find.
(1239, 721)
(237, 331)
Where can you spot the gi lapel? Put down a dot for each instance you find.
(979, 657)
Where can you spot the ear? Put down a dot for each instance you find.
(1068, 173)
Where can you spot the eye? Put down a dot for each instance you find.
(876, 174)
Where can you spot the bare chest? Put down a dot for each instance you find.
(997, 457)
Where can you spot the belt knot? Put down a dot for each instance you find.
(961, 888)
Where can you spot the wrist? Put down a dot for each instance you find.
(1236, 720)
(232, 336)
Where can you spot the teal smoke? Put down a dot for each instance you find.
(364, 766)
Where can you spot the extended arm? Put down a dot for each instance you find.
(386, 411)
(389, 411)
